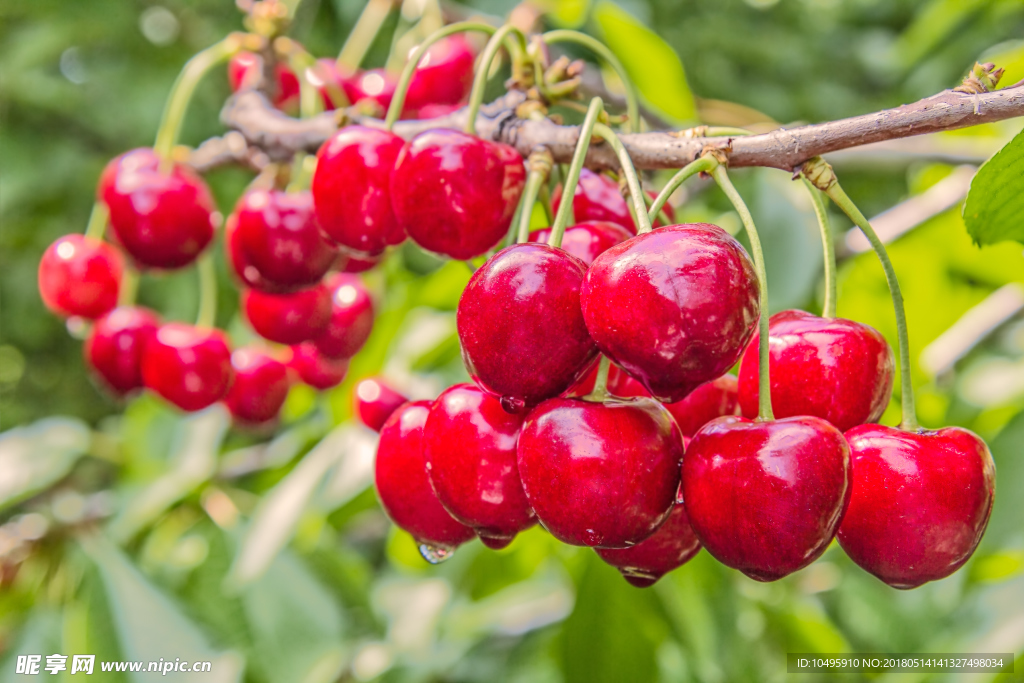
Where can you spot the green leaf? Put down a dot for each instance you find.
(995, 203)
(33, 457)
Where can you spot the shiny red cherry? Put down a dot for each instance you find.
(259, 388)
(404, 488)
(431, 111)
(520, 325)
(455, 193)
(470, 447)
(316, 369)
(80, 276)
(352, 188)
(674, 307)
(114, 347)
(163, 219)
(766, 497)
(838, 370)
(288, 318)
(586, 241)
(375, 401)
(671, 546)
(246, 65)
(598, 198)
(329, 80)
(373, 85)
(600, 474)
(921, 502)
(187, 365)
(708, 401)
(351, 317)
(444, 74)
(279, 236)
(246, 273)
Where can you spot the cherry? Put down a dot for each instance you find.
(288, 318)
(352, 191)
(246, 273)
(455, 193)
(80, 276)
(316, 369)
(115, 345)
(470, 445)
(600, 474)
(835, 369)
(162, 219)
(404, 488)
(921, 502)
(766, 497)
(520, 325)
(598, 198)
(671, 546)
(586, 241)
(375, 401)
(187, 365)
(444, 75)
(708, 401)
(373, 85)
(259, 388)
(327, 71)
(279, 236)
(357, 261)
(247, 65)
(351, 317)
(674, 307)
(433, 111)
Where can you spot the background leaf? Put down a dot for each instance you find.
(995, 203)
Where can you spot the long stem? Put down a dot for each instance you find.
(764, 407)
(701, 165)
(636, 192)
(483, 68)
(828, 309)
(97, 225)
(129, 286)
(572, 176)
(362, 35)
(600, 390)
(534, 181)
(207, 314)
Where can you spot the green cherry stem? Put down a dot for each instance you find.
(635, 191)
(572, 176)
(721, 176)
(545, 202)
(701, 165)
(129, 286)
(97, 225)
(483, 69)
(828, 309)
(207, 314)
(539, 163)
(362, 35)
(600, 391)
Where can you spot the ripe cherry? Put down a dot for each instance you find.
(674, 307)
(921, 502)
(288, 318)
(357, 261)
(455, 193)
(279, 236)
(598, 198)
(470, 447)
(189, 366)
(163, 219)
(316, 369)
(259, 388)
(404, 488)
(375, 401)
(352, 188)
(600, 474)
(80, 276)
(375, 85)
(114, 347)
(586, 241)
(246, 273)
(350, 320)
(766, 497)
(519, 321)
(246, 65)
(444, 75)
(671, 546)
(835, 369)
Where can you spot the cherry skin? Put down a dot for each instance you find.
(288, 318)
(316, 369)
(671, 546)
(600, 474)
(80, 276)
(188, 366)
(674, 307)
(470, 445)
(259, 388)
(279, 236)
(375, 401)
(247, 65)
(586, 241)
(114, 347)
(921, 502)
(357, 261)
(598, 198)
(520, 325)
(352, 188)
(351, 317)
(838, 370)
(444, 76)
(766, 497)
(245, 272)
(162, 219)
(404, 488)
(455, 193)
(373, 85)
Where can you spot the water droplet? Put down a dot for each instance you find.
(435, 554)
(512, 405)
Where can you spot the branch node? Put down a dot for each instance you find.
(819, 172)
(981, 79)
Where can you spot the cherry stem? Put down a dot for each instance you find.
(97, 225)
(539, 163)
(701, 165)
(302, 63)
(828, 309)
(362, 35)
(632, 123)
(572, 176)
(207, 314)
(600, 390)
(764, 398)
(660, 215)
(637, 193)
(545, 202)
(129, 286)
(483, 69)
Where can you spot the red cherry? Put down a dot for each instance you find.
(444, 74)
(598, 198)
(80, 276)
(470, 447)
(766, 497)
(279, 236)
(375, 401)
(357, 261)
(838, 370)
(375, 85)
(671, 546)
(187, 365)
(432, 111)
(316, 369)
(586, 241)
(520, 325)
(708, 401)
(921, 502)
(114, 347)
(351, 317)
(162, 219)
(247, 65)
(246, 273)
(326, 72)
(600, 474)
(674, 307)
(288, 318)
(352, 188)
(454, 193)
(404, 488)
(259, 388)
